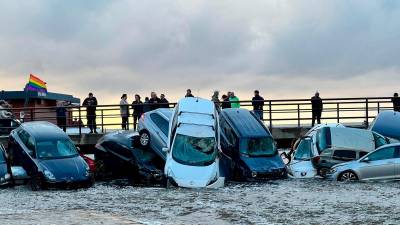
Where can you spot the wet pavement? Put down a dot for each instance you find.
(279, 202)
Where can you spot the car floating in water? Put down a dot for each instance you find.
(329, 137)
(120, 157)
(48, 156)
(381, 164)
(248, 148)
(193, 145)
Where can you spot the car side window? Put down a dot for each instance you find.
(160, 123)
(345, 155)
(397, 154)
(362, 154)
(382, 154)
(27, 140)
(229, 133)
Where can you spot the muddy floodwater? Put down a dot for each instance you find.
(278, 202)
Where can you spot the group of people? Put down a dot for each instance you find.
(229, 100)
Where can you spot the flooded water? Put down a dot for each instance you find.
(278, 202)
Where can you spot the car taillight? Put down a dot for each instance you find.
(142, 117)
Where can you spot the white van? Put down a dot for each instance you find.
(331, 136)
(193, 145)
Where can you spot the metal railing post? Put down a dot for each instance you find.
(366, 113)
(270, 114)
(79, 121)
(337, 113)
(298, 115)
(102, 121)
(379, 107)
(31, 112)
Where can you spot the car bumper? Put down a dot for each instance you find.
(265, 176)
(70, 184)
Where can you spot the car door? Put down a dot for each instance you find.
(27, 152)
(379, 164)
(160, 132)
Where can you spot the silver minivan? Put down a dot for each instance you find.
(381, 164)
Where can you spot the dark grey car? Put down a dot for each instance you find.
(153, 130)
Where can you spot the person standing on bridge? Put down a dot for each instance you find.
(138, 110)
(154, 101)
(163, 102)
(234, 100)
(396, 102)
(61, 114)
(258, 105)
(124, 110)
(189, 94)
(91, 103)
(317, 106)
(225, 102)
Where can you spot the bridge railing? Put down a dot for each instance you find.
(276, 113)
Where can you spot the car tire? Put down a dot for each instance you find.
(144, 138)
(323, 171)
(36, 183)
(347, 176)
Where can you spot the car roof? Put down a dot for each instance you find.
(352, 138)
(42, 130)
(387, 123)
(195, 130)
(196, 105)
(389, 145)
(165, 111)
(245, 123)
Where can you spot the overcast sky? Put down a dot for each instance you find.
(287, 49)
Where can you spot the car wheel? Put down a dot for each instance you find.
(348, 176)
(323, 171)
(36, 183)
(144, 139)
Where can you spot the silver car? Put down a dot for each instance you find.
(153, 129)
(381, 164)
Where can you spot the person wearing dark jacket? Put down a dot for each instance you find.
(225, 102)
(146, 105)
(61, 113)
(138, 110)
(396, 102)
(91, 103)
(317, 107)
(164, 102)
(189, 94)
(154, 100)
(258, 105)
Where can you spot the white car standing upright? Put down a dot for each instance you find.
(193, 145)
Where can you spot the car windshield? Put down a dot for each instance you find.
(323, 139)
(304, 150)
(55, 149)
(144, 155)
(379, 140)
(194, 150)
(263, 146)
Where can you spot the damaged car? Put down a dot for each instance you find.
(305, 159)
(5, 168)
(48, 156)
(387, 123)
(121, 158)
(249, 151)
(194, 145)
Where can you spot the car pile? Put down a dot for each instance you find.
(196, 145)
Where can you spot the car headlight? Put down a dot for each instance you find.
(213, 180)
(49, 175)
(333, 170)
(254, 174)
(7, 176)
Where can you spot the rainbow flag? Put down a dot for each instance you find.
(36, 84)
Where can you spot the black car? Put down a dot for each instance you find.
(248, 148)
(5, 169)
(116, 153)
(48, 156)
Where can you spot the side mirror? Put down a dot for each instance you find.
(165, 149)
(366, 160)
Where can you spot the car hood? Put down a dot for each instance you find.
(192, 176)
(263, 164)
(66, 168)
(301, 169)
